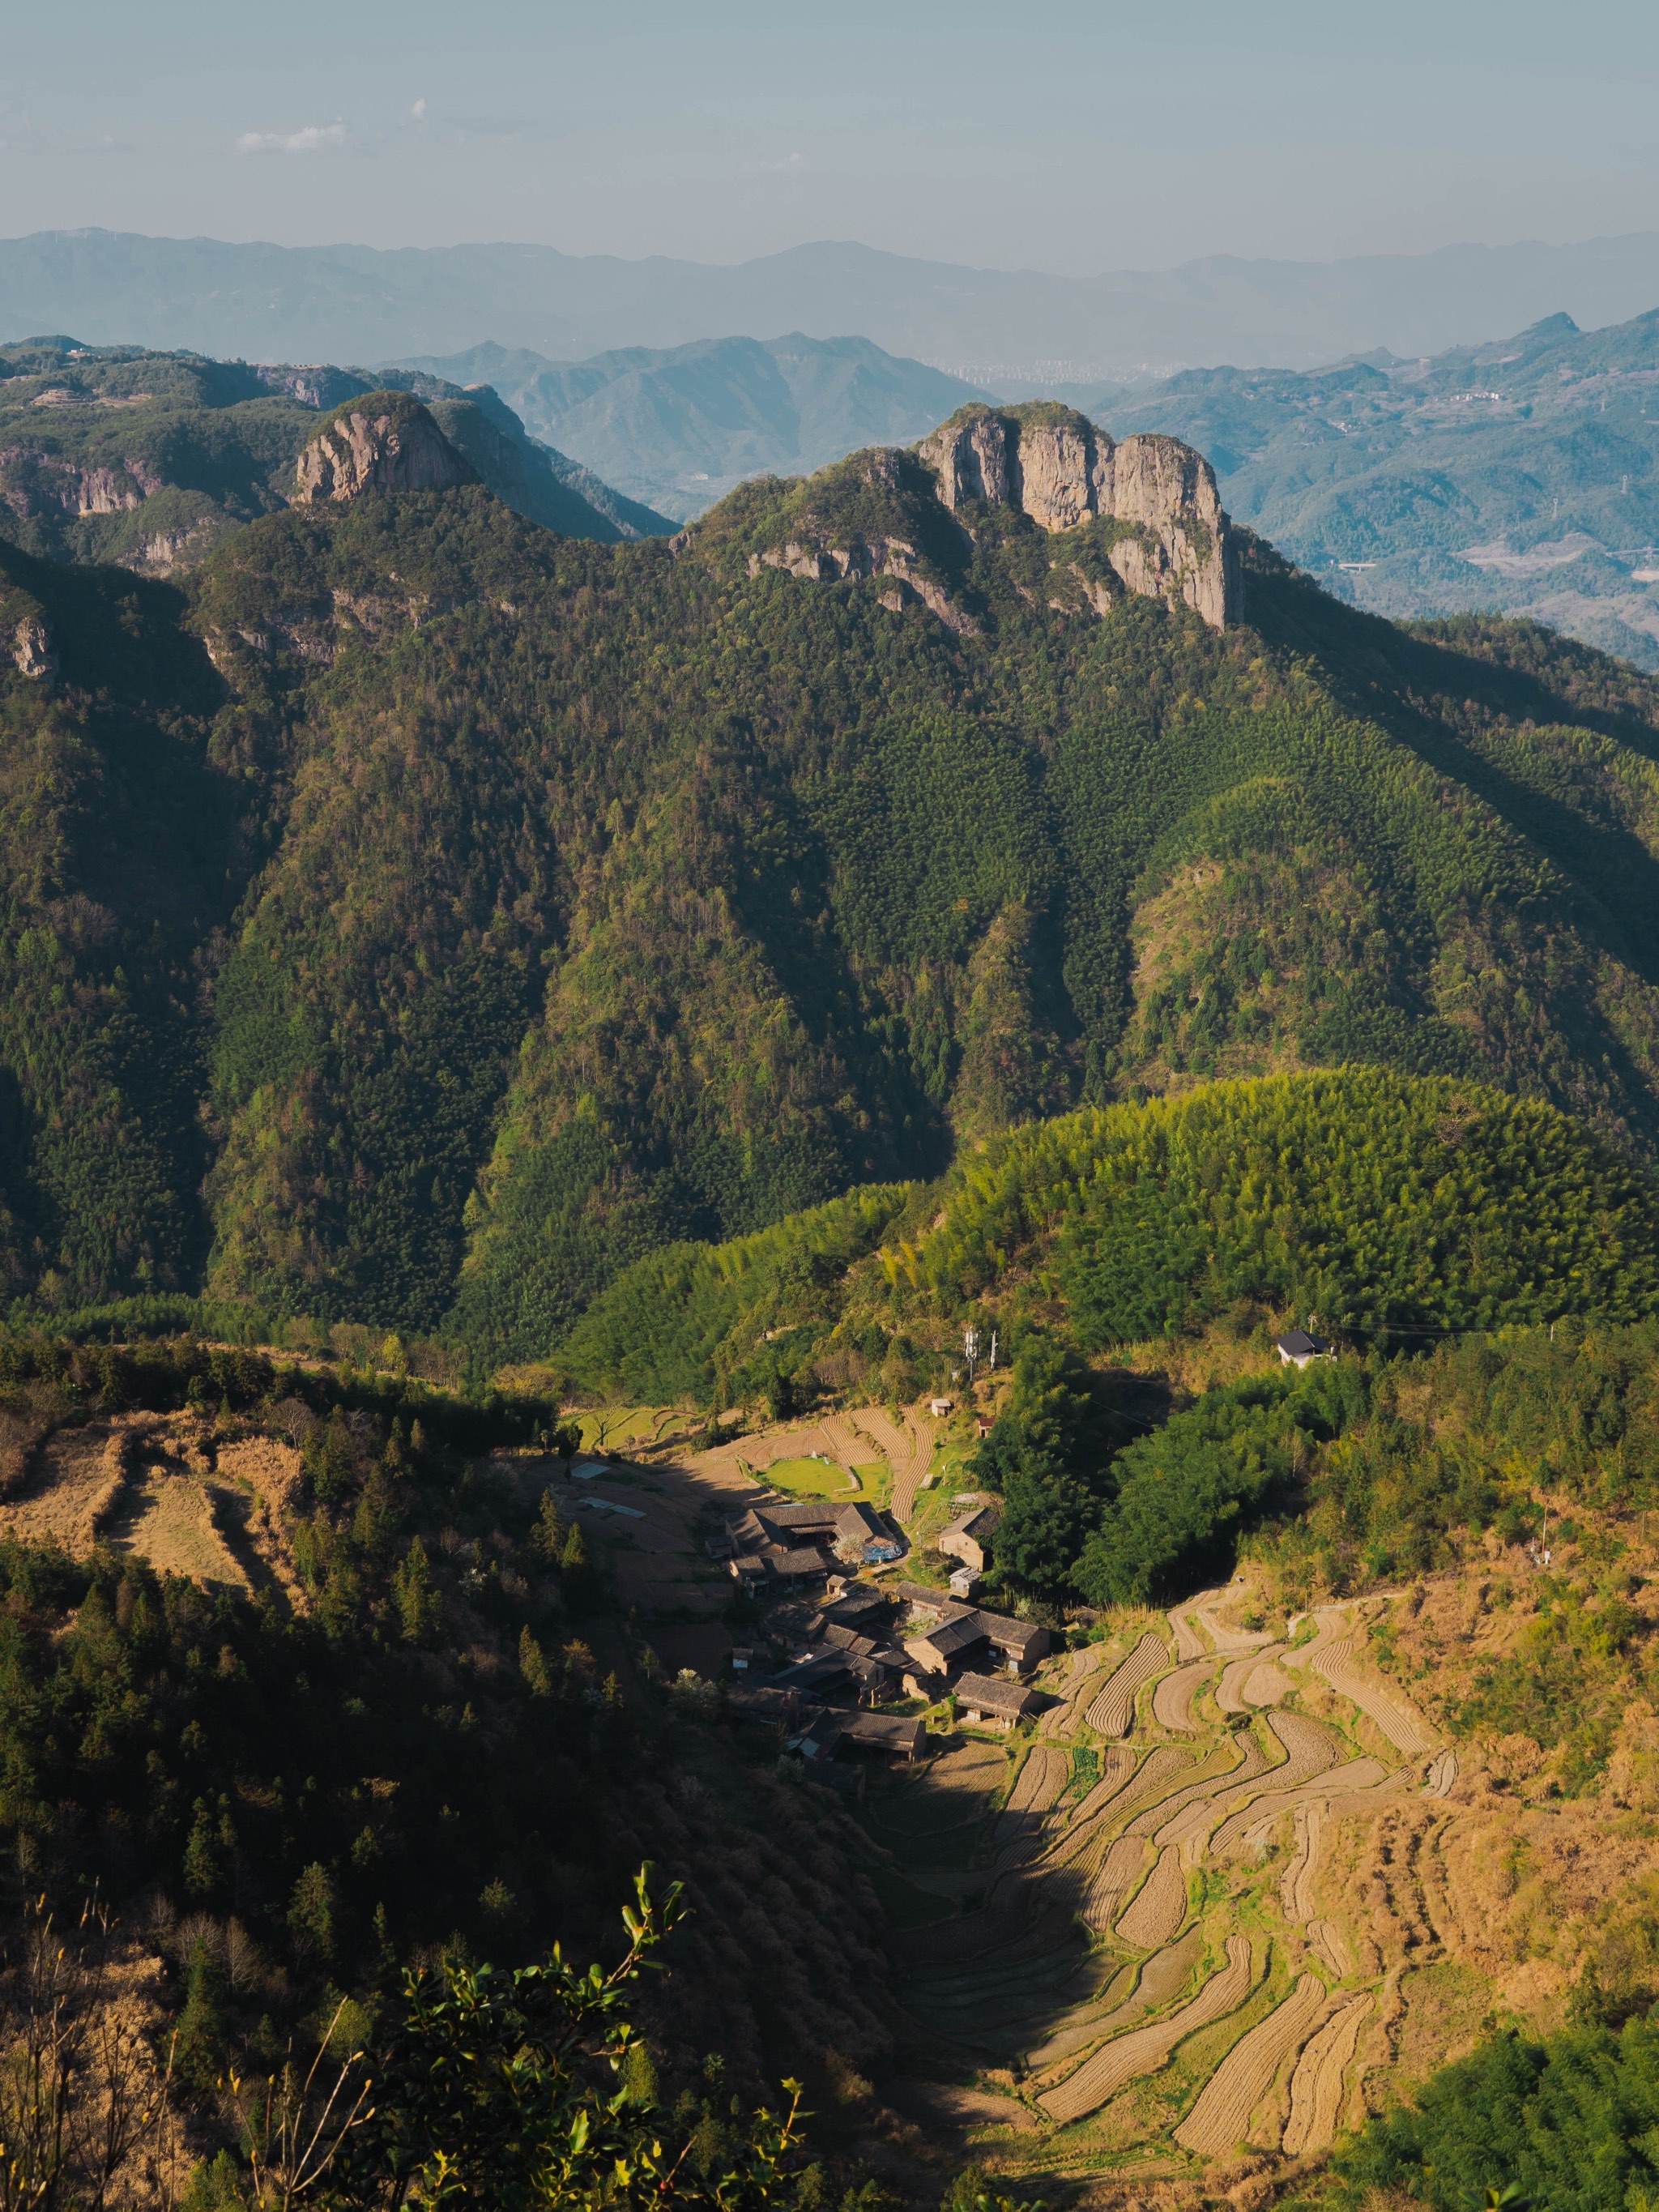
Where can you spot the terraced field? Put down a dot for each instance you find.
(166, 1487)
(1145, 1941)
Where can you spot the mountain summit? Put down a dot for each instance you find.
(1143, 518)
(385, 441)
(1056, 466)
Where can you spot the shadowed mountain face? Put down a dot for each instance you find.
(680, 426)
(419, 914)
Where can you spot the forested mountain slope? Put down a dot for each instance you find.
(151, 459)
(1394, 1208)
(418, 915)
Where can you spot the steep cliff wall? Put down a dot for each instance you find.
(385, 441)
(1058, 468)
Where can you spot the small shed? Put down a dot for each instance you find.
(939, 1407)
(1295, 1348)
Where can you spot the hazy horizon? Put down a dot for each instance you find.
(1073, 141)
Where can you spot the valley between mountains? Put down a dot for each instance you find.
(933, 1205)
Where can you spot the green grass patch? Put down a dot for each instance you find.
(807, 1477)
(876, 1480)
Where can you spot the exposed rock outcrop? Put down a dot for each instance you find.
(385, 441)
(35, 482)
(1056, 466)
(32, 649)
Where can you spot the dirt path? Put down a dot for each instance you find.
(1317, 2084)
(1221, 2118)
(1143, 2049)
(1159, 1907)
(1114, 1708)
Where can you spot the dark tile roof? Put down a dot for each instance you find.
(948, 1637)
(1300, 1346)
(884, 1731)
(992, 1694)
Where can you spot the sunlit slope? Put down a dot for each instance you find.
(501, 907)
(1363, 1198)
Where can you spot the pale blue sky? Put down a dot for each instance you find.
(1048, 135)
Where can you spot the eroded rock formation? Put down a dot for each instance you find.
(383, 442)
(33, 652)
(1058, 468)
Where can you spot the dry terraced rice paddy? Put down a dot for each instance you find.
(1115, 1899)
(1114, 1708)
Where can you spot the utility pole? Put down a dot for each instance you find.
(970, 1348)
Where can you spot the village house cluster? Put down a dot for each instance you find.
(783, 1547)
(822, 1662)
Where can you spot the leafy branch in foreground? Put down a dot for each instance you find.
(518, 2089)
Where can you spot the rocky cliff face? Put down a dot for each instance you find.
(1058, 469)
(385, 441)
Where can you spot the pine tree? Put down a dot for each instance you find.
(310, 1911)
(548, 1536)
(199, 2048)
(532, 1665)
(420, 1608)
(201, 1854)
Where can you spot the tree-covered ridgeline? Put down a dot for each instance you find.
(418, 916)
(1359, 1201)
(151, 459)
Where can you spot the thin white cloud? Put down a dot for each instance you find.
(313, 138)
(418, 111)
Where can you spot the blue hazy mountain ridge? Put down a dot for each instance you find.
(1521, 474)
(679, 427)
(346, 302)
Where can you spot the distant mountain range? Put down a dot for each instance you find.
(1521, 474)
(679, 427)
(991, 326)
